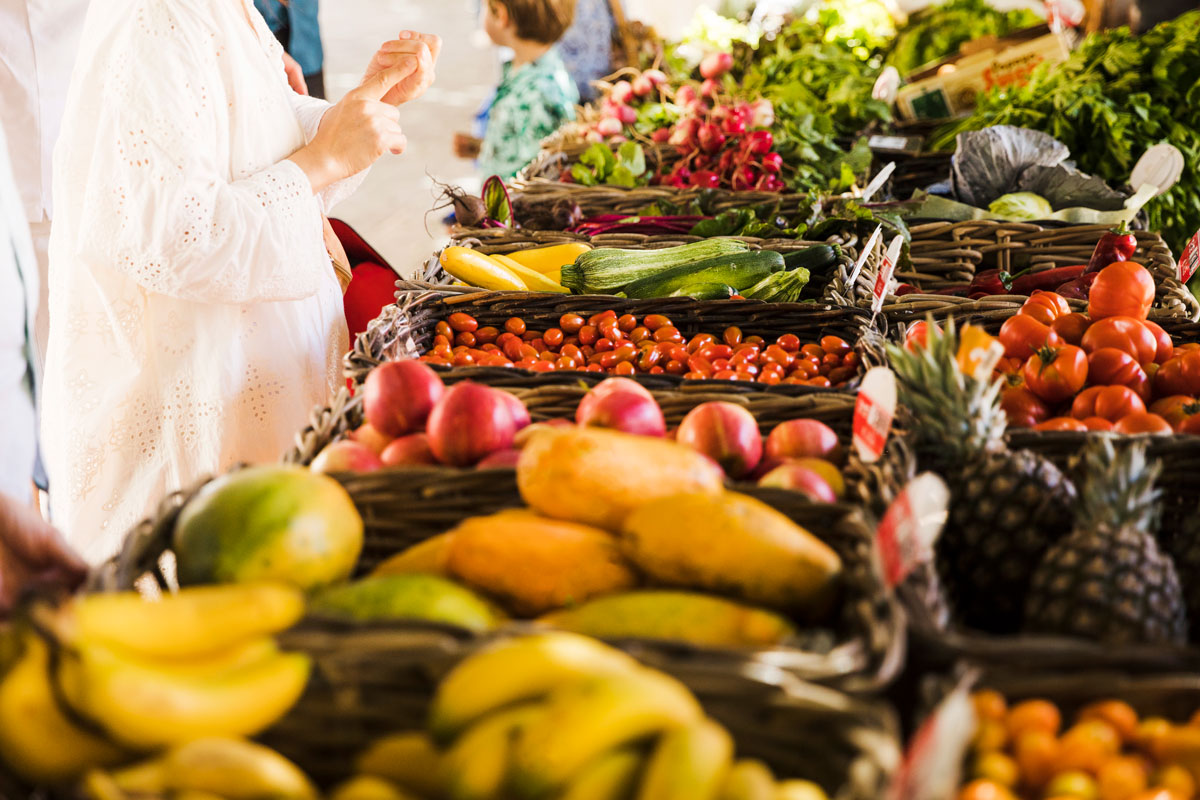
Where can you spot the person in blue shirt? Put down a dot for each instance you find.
(298, 29)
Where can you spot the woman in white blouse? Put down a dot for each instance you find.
(196, 317)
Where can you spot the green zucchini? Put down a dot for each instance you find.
(779, 287)
(739, 271)
(814, 259)
(705, 291)
(607, 268)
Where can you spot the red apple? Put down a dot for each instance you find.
(399, 395)
(372, 439)
(804, 438)
(623, 405)
(408, 450)
(726, 433)
(800, 479)
(520, 413)
(346, 456)
(500, 458)
(468, 423)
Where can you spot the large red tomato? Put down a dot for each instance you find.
(1071, 327)
(1109, 366)
(1097, 424)
(1190, 425)
(917, 335)
(1056, 374)
(1108, 402)
(1123, 289)
(1061, 424)
(1180, 375)
(1045, 306)
(1024, 408)
(1123, 333)
(1143, 422)
(1023, 335)
(1176, 408)
(1166, 348)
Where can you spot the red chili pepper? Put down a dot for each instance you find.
(1079, 288)
(988, 282)
(1049, 279)
(1118, 244)
(906, 288)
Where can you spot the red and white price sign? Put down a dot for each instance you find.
(1189, 261)
(873, 412)
(911, 526)
(932, 766)
(883, 278)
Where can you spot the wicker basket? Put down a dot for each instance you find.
(375, 680)
(945, 254)
(598, 200)
(405, 329)
(861, 650)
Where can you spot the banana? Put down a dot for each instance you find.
(195, 794)
(144, 778)
(407, 759)
(516, 670)
(748, 779)
(99, 785)
(37, 740)
(799, 790)
(689, 763)
(477, 765)
(612, 776)
(583, 719)
(196, 621)
(234, 769)
(369, 787)
(147, 707)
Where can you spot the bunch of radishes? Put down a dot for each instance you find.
(617, 109)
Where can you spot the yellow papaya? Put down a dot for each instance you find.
(732, 544)
(597, 476)
(533, 565)
(681, 616)
(428, 557)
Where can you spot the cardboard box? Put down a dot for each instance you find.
(949, 89)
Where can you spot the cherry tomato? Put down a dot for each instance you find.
(609, 330)
(553, 337)
(571, 323)
(812, 351)
(835, 345)
(1123, 333)
(443, 329)
(588, 334)
(1071, 327)
(514, 325)
(789, 342)
(1166, 348)
(466, 339)
(840, 375)
(640, 334)
(1123, 289)
(1024, 408)
(1045, 306)
(1023, 335)
(655, 321)
(732, 335)
(674, 367)
(821, 381)
(624, 368)
(1060, 424)
(1056, 374)
(627, 322)
(1143, 422)
(699, 341)
(668, 333)
(1108, 402)
(596, 319)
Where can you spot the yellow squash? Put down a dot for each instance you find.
(547, 260)
(479, 270)
(536, 281)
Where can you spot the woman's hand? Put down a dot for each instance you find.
(295, 75)
(426, 47)
(357, 130)
(32, 555)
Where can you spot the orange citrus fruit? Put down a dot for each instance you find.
(1036, 753)
(998, 767)
(1116, 713)
(1177, 780)
(989, 704)
(1121, 778)
(1034, 715)
(984, 790)
(1075, 784)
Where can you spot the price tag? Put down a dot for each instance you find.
(868, 248)
(1189, 261)
(931, 769)
(873, 412)
(911, 526)
(878, 181)
(883, 278)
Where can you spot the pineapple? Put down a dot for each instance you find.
(1006, 507)
(1184, 549)
(1108, 580)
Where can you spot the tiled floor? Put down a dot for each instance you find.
(390, 209)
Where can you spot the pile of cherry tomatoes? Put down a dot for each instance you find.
(623, 345)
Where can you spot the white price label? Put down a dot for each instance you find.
(868, 248)
(1189, 260)
(911, 526)
(873, 413)
(883, 278)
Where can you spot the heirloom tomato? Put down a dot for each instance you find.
(1055, 374)
(1123, 289)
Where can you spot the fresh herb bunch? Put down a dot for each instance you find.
(938, 31)
(1117, 95)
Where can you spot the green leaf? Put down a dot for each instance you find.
(622, 176)
(600, 158)
(496, 200)
(583, 176)
(631, 156)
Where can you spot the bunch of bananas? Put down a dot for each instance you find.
(106, 677)
(559, 715)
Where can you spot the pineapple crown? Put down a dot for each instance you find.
(1118, 487)
(950, 410)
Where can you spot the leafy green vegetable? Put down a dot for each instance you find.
(1116, 96)
(599, 165)
(1021, 206)
(938, 31)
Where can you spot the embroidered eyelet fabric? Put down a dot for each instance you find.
(195, 316)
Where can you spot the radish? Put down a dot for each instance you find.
(609, 127)
(685, 132)
(771, 183)
(772, 162)
(710, 137)
(685, 95)
(661, 135)
(705, 179)
(656, 76)
(762, 114)
(622, 92)
(710, 88)
(715, 65)
(744, 178)
(642, 86)
(760, 142)
(734, 125)
(626, 114)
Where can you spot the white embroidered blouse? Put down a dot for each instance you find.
(195, 317)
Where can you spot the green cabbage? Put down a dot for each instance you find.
(1021, 206)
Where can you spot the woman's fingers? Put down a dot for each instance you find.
(433, 41)
(378, 85)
